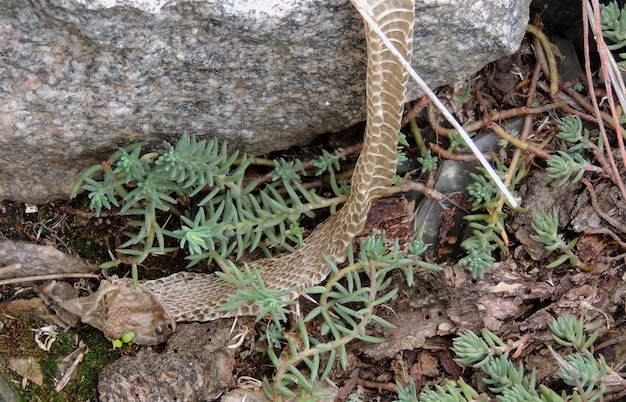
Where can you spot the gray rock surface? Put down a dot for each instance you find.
(79, 78)
(196, 365)
(21, 259)
(7, 390)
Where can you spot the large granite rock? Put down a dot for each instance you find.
(78, 78)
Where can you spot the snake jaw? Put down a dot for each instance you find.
(118, 307)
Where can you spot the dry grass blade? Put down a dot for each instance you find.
(612, 81)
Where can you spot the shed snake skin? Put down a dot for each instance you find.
(152, 309)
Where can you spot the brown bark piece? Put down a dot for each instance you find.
(392, 215)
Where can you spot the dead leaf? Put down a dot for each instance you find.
(28, 369)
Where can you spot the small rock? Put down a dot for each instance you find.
(27, 368)
(196, 365)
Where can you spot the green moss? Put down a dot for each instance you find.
(83, 387)
(100, 355)
(88, 247)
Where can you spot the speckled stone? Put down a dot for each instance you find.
(78, 78)
(196, 365)
(7, 389)
(22, 259)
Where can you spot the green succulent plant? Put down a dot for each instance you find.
(233, 216)
(546, 226)
(489, 354)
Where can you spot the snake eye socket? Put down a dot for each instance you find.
(158, 330)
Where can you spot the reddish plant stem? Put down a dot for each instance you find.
(454, 156)
(614, 172)
(582, 101)
(415, 110)
(524, 146)
(498, 116)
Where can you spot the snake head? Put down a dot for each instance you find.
(118, 307)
